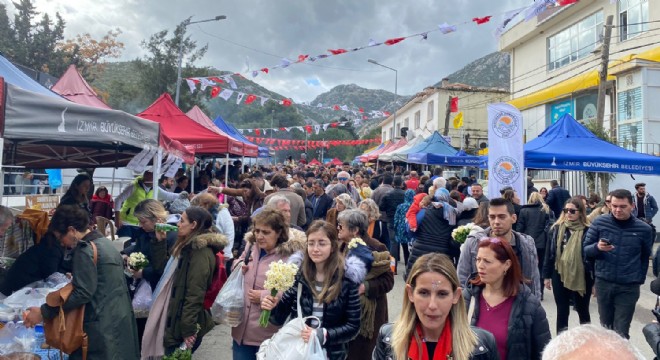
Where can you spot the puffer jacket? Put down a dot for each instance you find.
(628, 262)
(433, 235)
(248, 332)
(486, 348)
(528, 332)
(532, 221)
(192, 277)
(551, 256)
(525, 249)
(144, 243)
(341, 317)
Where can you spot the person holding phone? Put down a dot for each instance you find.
(565, 270)
(620, 246)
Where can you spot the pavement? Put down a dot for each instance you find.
(217, 344)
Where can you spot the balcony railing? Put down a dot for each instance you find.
(644, 148)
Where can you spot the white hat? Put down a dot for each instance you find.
(470, 203)
(268, 186)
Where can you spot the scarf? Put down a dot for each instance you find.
(152, 342)
(379, 266)
(443, 349)
(370, 229)
(569, 263)
(448, 211)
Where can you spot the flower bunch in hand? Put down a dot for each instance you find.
(461, 233)
(279, 277)
(137, 261)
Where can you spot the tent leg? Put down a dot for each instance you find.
(192, 176)
(226, 175)
(2, 169)
(376, 164)
(243, 165)
(158, 158)
(112, 184)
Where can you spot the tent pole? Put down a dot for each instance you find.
(112, 184)
(192, 176)
(226, 175)
(2, 168)
(243, 165)
(158, 158)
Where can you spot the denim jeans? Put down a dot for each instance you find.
(616, 305)
(243, 352)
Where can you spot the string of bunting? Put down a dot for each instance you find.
(529, 12)
(304, 128)
(283, 144)
(247, 99)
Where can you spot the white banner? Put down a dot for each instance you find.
(505, 150)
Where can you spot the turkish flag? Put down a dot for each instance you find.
(258, 132)
(481, 20)
(215, 91)
(394, 41)
(361, 110)
(250, 99)
(334, 124)
(216, 79)
(302, 58)
(286, 102)
(566, 2)
(386, 113)
(308, 128)
(282, 129)
(454, 104)
(336, 107)
(337, 51)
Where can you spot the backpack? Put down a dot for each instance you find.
(218, 280)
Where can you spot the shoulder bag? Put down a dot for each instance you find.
(65, 331)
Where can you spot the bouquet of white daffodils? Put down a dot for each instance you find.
(279, 277)
(461, 233)
(355, 242)
(137, 261)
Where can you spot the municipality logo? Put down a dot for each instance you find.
(506, 125)
(506, 170)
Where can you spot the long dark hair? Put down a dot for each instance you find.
(204, 224)
(73, 190)
(334, 267)
(69, 215)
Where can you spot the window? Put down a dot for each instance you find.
(417, 120)
(429, 110)
(575, 42)
(391, 133)
(406, 123)
(633, 18)
(384, 136)
(630, 104)
(398, 129)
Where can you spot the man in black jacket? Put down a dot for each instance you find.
(388, 207)
(557, 197)
(621, 246)
(321, 202)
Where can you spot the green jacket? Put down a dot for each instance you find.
(109, 320)
(135, 198)
(192, 278)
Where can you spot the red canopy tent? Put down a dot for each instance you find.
(199, 117)
(392, 146)
(335, 161)
(73, 87)
(314, 162)
(184, 129)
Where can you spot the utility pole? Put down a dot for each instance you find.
(605, 59)
(447, 114)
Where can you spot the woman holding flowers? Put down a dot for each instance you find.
(178, 317)
(374, 286)
(267, 243)
(326, 294)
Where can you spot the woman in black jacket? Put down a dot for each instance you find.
(535, 220)
(566, 271)
(434, 231)
(433, 289)
(501, 304)
(326, 294)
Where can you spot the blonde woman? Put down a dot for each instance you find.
(535, 220)
(433, 323)
(377, 229)
(566, 271)
(342, 202)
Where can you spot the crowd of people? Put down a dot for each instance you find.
(480, 299)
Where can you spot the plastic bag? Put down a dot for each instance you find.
(15, 337)
(315, 350)
(142, 300)
(26, 298)
(229, 306)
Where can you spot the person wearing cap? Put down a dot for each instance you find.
(470, 206)
(140, 189)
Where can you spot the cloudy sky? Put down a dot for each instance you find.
(265, 31)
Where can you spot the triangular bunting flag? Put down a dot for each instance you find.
(240, 97)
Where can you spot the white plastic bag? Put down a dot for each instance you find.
(142, 300)
(26, 298)
(229, 306)
(315, 349)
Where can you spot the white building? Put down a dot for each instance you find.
(426, 112)
(556, 57)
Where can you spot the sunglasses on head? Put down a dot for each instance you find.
(571, 211)
(492, 240)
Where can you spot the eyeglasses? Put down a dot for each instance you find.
(571, 211)
(342, 179)
(339, 227)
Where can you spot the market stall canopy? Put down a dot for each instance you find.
(392, 146)
(335, 162)
(568, 145)
(43, 130)
(435, 144)
(198, 116)
(73, 86)
(400, 154)
(264, 152)
(461, 158)
(251, 149)
(179, 126)
(368, 151)
(13, 75)
(378, 150)
(315, 162)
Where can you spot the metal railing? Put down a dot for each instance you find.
(644, 148)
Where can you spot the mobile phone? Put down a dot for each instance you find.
(607, 242)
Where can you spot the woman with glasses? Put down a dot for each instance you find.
(378, 281)
(327, 293)
(342, 202)
(566, 271)
(503, 305)
(432, 323)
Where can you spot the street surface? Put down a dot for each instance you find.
(217, 344)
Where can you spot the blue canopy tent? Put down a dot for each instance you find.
(231, 131)
(15, 76)
(461, 158)
(434, 145)
(568, 145)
